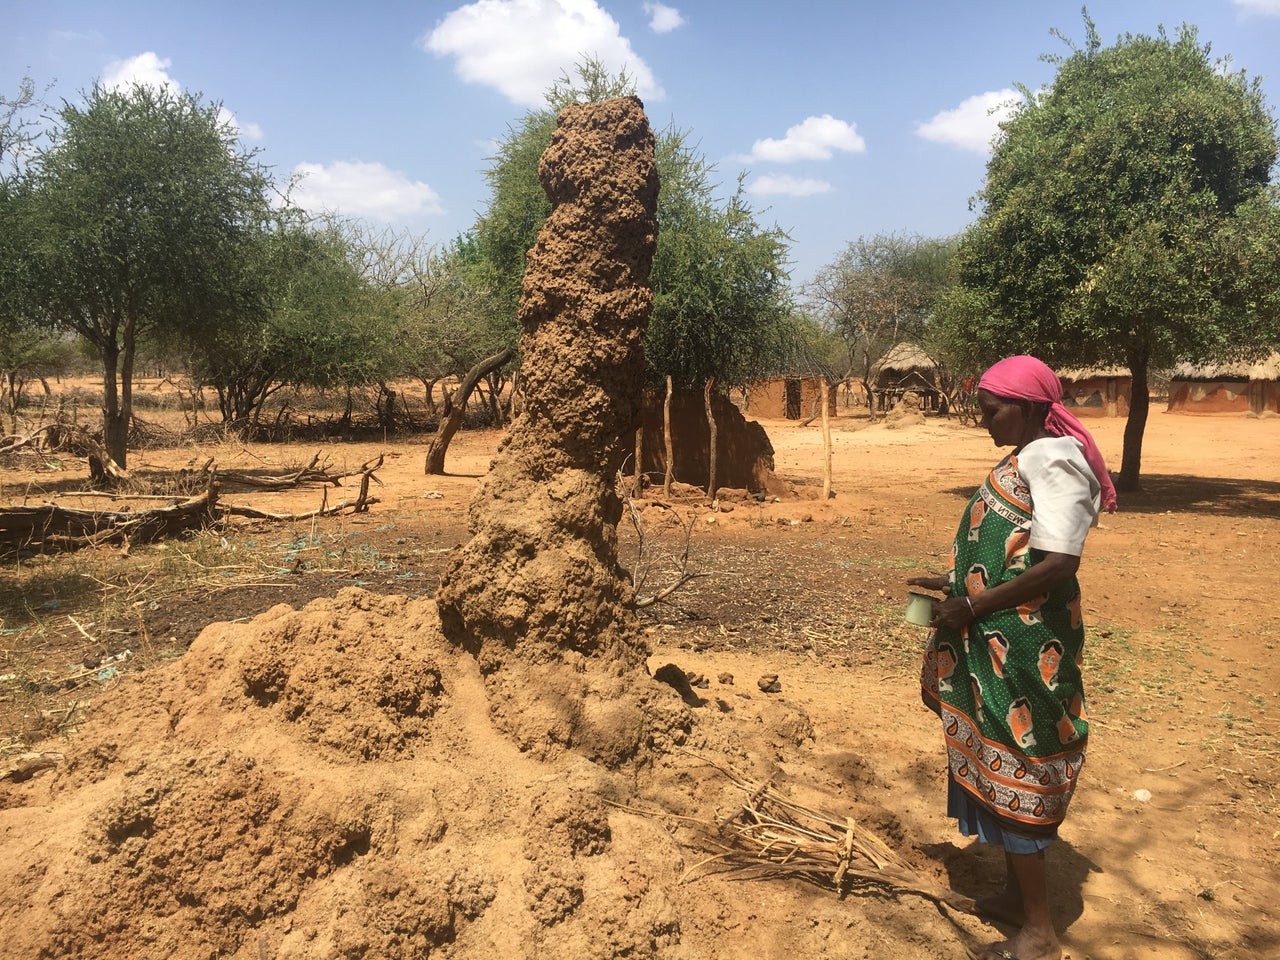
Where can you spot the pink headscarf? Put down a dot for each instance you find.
(1026, 378)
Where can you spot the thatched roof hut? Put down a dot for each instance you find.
(1240, 387)
(904, 360)
(906, 368)
(1096, 391)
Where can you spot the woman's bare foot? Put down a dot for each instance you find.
(1029, 944)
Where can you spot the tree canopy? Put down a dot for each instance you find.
(314, 321)
(879, 292)
(1126, 219)
(135, 225)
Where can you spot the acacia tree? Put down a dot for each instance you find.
(26, 350)
(315, 322)
(880, 292)
(19, 130)
(139, 214)
(1125, 220)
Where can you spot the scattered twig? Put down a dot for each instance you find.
(770, 835)
(643, 551)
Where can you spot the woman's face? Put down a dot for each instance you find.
(1007, 421)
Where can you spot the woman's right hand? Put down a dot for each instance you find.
(931, 583)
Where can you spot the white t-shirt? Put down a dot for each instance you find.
(1065, 494)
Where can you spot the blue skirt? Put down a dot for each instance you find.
(974, 820)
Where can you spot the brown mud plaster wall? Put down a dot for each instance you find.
(538, 587)
(789, 398)
(1223, 396)
(744, 455)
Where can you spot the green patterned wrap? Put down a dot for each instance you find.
(1008, 686)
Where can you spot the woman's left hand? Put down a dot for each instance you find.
(954, 612)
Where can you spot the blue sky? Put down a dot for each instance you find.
(848, 118)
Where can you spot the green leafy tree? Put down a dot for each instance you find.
(141, 213)
(1126, 220)
(20, 131)
(721, 293)
(29, 353)
(24, 349)
(317, 322)
(880, 292)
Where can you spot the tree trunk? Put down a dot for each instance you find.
(346, 415)
(10, 379)
(711, 425)
(450, 423)
(385, 407)
(115, 424)
(1136, 425)
(429, 391)
(826, 441)
(639, 471)
(666, 437)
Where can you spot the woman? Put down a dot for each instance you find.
(1002, 665)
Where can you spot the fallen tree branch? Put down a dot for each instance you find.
(314, 472)
(16, 441)
(50, 526)
(360, 504)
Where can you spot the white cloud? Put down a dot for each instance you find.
(663, 19)
(816, 138)
(1263, 8)
(146, 69)
(151, 70)
(521, 47)
(362, 190)
(787, 186)
(973, 124)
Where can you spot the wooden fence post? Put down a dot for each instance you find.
(666, 434)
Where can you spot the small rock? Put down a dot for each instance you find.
(726, 679)
(675, 678)
(769, 683)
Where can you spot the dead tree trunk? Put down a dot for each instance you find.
(711, 426)
(826, 441)
(666, 436)
(639, 473)
(449, 424)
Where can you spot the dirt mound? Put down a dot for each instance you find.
(217, 808)
(341, 684)
(537, 594)
(221, 807)
(907, 412)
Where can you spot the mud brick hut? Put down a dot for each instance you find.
(1097, 391)
(906, 368)
(1249, 388)
(794, 392)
